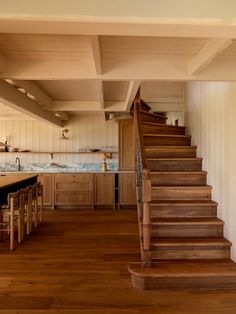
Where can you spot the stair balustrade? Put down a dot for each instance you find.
(143, 188)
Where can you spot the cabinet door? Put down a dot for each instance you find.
(104, 189)
(126, 145)
(47, 180)
(127, 189)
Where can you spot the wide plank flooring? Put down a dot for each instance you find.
(76, 262)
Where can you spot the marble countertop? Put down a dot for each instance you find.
(60, 168)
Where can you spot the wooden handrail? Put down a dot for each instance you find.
(138, 130)
(143, 186)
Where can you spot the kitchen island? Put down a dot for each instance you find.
(12, 182)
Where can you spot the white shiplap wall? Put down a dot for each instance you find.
(85, 131)
(211, 120)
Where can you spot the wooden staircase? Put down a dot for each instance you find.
(181, 238)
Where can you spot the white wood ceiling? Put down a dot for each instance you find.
(90, 73)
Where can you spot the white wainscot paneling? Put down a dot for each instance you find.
(85, 131)
(210, 119)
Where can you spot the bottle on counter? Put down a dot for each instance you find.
(104, 166)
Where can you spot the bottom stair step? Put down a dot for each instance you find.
(190, 248)
(203, 274)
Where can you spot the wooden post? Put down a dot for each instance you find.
(146, 217)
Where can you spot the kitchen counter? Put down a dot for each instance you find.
(58, 168)
(11, 179)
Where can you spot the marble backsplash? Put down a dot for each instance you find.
(56, 167)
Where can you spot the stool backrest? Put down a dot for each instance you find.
(13, 200)
(34, 191)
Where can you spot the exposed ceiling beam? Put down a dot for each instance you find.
(122, 26)
(40, 96)
(3, 62)
(101, 94)
(132, 91)
(96, 50)
(85, 106)
(217, 70)
(36, 91)
(125, 70)
(114, 106)
(206, 55)
(13, 98)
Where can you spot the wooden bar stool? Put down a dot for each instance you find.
(26, 205)
(34, 202)
(40, 201)
(12, 217)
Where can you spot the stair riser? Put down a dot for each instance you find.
(177, 211)
(191, 253)
(178, 179)
(169, 165)
(166, 141)
(167, 152)
(181, 194)
(192, 231)
(152, 283)
(150, 129)
(150, 118)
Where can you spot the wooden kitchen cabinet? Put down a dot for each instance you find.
(104, 193)
(127, 189)
(47, 180)
(74, 189)
(126, 145)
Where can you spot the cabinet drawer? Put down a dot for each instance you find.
(73, 185)
(61, 177)
(73, 198)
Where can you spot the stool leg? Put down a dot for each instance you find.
(28, 217)
(35, 212)
(12, 226)
(41, 209)
(19, 223)
(1, 232)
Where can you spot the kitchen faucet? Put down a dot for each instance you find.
(18, 163)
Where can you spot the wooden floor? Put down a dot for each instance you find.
(76, 262)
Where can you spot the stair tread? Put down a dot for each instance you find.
(167, 135)
(186, 242)
(165, 125)
(184, 202)
(164, 146)
(186, 221)
(174, 158)
(186, 268)
(185, 187)
(177, 172)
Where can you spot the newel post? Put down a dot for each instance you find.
(146, 195)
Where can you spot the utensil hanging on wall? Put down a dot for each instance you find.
(63, 136)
